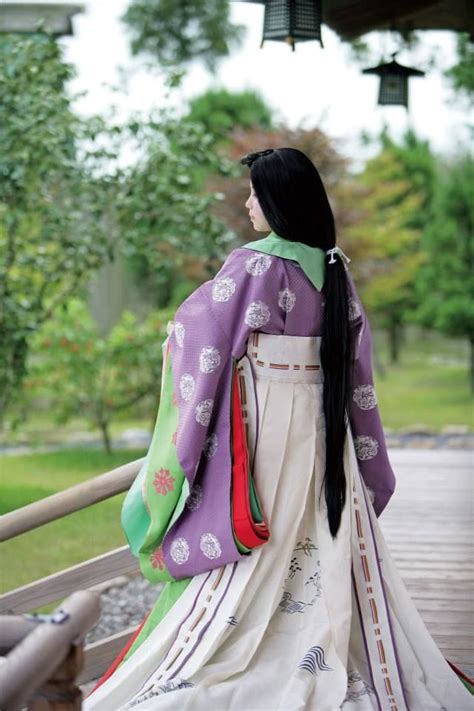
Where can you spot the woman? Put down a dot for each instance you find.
(258, 500)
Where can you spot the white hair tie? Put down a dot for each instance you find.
(339, 251)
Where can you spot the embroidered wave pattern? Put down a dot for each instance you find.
(314, 659)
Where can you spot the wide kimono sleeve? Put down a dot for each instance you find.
(183, 499)
(364, 415)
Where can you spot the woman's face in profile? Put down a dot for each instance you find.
(255, 213)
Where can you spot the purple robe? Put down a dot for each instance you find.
(253, 291)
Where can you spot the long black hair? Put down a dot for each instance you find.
(293, 199)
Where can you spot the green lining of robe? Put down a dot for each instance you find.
(312, 260)
(151, 507)
(170, 593)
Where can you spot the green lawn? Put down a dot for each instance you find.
(69, 540)
(430, 384)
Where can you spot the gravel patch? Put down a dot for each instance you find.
(124, 604)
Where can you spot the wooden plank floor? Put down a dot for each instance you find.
(429, 529)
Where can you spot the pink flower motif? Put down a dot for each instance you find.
(163, 482)
(157, 560)
(173, 438)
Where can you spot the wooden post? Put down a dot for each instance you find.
(41, 669)
(60, 692)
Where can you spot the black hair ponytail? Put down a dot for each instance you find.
(336, 363)
(293, 199)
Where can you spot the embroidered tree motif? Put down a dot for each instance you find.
(163, 482)
(157, 559)
(356, 687)
(294, 567)
(315, 580)
(306, 546)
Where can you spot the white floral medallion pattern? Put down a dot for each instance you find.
(195, 497)
(210, 546)
(364, 396)
(366, 447)
(210, 445)
(179, 332)
(286, 300)
(179, 550)
(257, 314)
(354, 309)
(258, 264)
(223, 289)
(209, 359)
(186, 386)
(204, 412)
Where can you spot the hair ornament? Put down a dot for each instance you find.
(252, 157)
(337, 250)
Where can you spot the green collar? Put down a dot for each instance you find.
(312, 260)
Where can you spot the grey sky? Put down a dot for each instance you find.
(313, 86)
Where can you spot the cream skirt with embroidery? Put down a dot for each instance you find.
(305, 622)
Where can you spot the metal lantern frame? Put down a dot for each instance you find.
(291, 21)
(393, 88)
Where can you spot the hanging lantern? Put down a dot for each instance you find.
(291, 20)
(393, 87)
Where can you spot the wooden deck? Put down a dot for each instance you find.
(429, 528)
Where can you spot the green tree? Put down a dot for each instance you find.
(220, 111)
(69, 200)
(79, 373)
(462, 73)
(445, 285)
(176, 33)
(388, 236)
(164, 209)
(416, 164)
(53, 216)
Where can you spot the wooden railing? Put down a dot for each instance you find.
(86, 575)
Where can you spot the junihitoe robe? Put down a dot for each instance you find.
(177, 515)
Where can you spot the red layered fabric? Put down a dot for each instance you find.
(249, 532)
